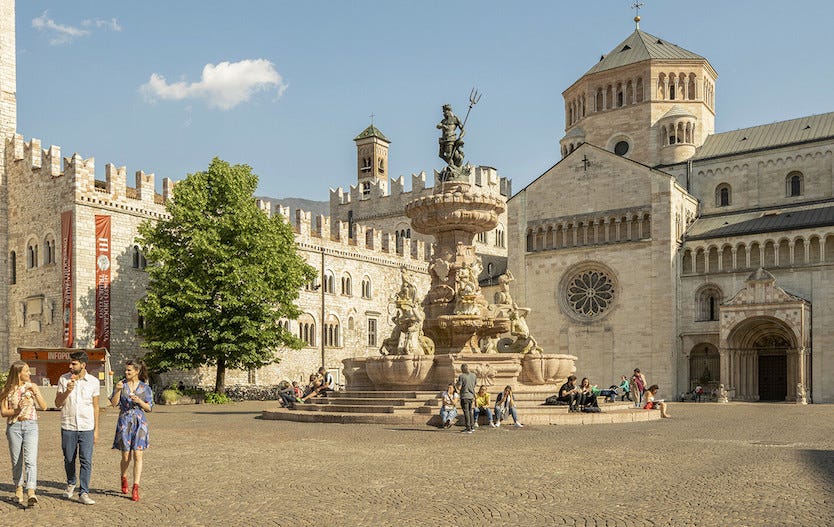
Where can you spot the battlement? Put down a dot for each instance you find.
(31, 160)
(484, 177)
(375, 241)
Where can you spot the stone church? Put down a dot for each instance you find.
(656, 243)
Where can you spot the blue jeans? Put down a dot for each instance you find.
(23, 449)
(448, 415)
(80, 444)
(486, 409)
(499, 413)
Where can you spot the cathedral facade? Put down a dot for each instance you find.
(655, 243)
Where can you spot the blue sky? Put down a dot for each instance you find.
(285, 86)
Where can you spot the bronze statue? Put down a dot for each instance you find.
(451, 144)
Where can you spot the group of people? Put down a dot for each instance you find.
(584, 396)
(78, 398)
(321, 382)
(473, 404)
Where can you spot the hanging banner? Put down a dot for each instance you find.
(102, 339)
(66, 277)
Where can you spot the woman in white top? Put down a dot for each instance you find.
(448, 407)
(20, 399)
(652, 403)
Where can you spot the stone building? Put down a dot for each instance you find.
(699, 257)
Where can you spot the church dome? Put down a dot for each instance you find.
(678, 112)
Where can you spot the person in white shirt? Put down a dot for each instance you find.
(77, 397)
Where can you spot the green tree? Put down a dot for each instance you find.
(221, 274)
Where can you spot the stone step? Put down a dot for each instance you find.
(631, 415)
(365, 401)
(347, 408)
(393, 394)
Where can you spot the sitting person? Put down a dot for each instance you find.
(312, 388)
(482, 405)
(569, 393)
(587, 397)
(322, 382)
(290, 395)
(610, 394)
(505, 404)
(652, 403)
(448, 407)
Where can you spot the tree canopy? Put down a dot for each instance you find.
(221, 275)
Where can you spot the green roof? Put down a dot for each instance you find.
(640, 46)
(804, 129)
(371, 131)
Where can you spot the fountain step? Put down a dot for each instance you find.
(525, 408)
(393, 394)
(366, 401)
(347, 408)
(630, 415)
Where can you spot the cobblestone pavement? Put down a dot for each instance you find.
(711, 465)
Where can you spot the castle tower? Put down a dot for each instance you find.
(371, 159)
(647, 99)
(8, 125)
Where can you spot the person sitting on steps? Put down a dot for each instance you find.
(569, 393)
(448, 406)
(652, 403)
(482, 405)
(505, 404)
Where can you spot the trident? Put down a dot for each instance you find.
(474, 97)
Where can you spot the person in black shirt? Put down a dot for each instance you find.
(569, 393)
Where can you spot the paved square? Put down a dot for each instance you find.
(711, 465)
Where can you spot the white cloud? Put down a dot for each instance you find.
(112, 24)
(63, 34)
(224, 85)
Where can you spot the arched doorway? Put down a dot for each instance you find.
(759, 366)
(704, 366)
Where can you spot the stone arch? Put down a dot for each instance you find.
(700, 260)
(727, 258)
(723, 195)
(687, 262)
(755, 255)
(741, 257)
(760, 347)
(814, 249)
(799, 246)
(828, 252)
(704, 366)
(712, 259)
(784, 253)
(638, 90)
(769, 254)
(794, 184)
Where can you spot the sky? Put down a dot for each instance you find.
(285, 86)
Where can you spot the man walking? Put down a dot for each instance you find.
(466, 389)
(77, 397)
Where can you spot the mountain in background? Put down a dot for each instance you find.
(315, 208)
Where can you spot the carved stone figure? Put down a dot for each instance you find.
(503, 297)
(407, 337)
(489, 345)
(467, 291)
(801, 394)
(524, 342)
(20, 314)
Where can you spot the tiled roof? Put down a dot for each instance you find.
(640, 46)
(767, 136)
(761, 221)
(371, 131)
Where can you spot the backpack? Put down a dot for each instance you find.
(553, 400)
(592, 410)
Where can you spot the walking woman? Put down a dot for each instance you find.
(20, 399)
(133, 396)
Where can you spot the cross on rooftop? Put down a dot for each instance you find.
(372, 118)
(585, 163)
(636, 6)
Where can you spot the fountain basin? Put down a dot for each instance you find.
(399, 371)
(547, 368)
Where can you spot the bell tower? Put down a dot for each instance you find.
(371, 159)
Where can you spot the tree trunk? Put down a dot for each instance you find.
(220, 380)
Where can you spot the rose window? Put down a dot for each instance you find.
(590, 293)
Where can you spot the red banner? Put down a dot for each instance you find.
(102, 339)
(66, 277)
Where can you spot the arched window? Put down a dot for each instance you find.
(530, 239)
(708, 298)
(366, 189)
(482, 237)
(32, 255)
(13, 268)
(723, 195)
(609, 97)
(331, 332)
(599, 103)
(691, 88)
(638, 90)
(499, 236)
(347, 287)
(629, 93)
(620, 98)
(381, 166)
(307, 329)
(329, 286)
(794, 183)
(49, 245)
(136, 257)
(366, 287)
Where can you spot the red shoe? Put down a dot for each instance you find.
(124, 485)
(135, 495)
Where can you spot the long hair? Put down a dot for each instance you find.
(13, 379)
(139, 364)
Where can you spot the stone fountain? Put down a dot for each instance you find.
(454, 324)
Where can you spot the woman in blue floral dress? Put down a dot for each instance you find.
(133, 396)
